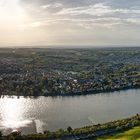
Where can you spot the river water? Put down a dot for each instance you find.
(34, 115)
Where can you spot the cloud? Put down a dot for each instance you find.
(89, 17)
(55, 5)
(106, 13)
(99, 9)
(70, 21)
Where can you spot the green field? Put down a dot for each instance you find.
(133, 134)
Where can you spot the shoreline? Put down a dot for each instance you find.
(85, 93)
(87, 132)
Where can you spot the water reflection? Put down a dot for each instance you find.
(31, 115)
(12, 114)
(12, 111)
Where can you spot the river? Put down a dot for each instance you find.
(34, 115)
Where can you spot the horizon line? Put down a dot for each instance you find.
(69, 46)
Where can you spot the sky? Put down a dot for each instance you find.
(69, 23)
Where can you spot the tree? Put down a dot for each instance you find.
(69, 129)
(0, 134)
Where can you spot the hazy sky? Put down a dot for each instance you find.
(69, 22)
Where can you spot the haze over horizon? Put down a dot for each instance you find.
(69, 23)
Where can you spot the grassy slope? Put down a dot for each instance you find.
(133, 134)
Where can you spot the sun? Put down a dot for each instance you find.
(11, 12)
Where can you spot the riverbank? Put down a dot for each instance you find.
(87, 132)
(94, 91)
(90, 92)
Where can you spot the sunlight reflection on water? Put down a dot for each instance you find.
(12, 115)
(31, 115)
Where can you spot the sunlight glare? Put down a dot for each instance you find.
(11, 13)
(12, 113)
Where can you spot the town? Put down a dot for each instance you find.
(63, 72)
